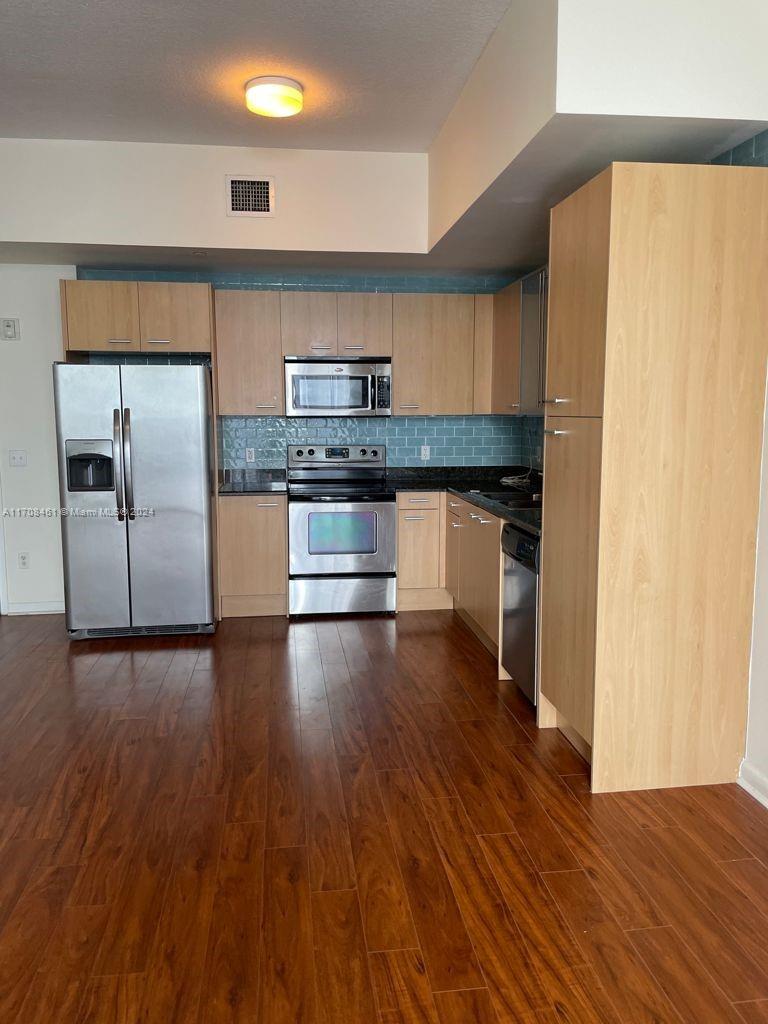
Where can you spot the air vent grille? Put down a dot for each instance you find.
(249, 196)
(142, 630)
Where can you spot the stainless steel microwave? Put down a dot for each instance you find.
(333, 387)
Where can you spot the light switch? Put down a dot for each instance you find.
(10, 329)
(17, 457)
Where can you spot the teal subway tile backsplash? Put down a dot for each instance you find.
(483, 441)
(259, 280)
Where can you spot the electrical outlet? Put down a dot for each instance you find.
(250, 454)
(425, 452)
(23, 559)
(10, 329)
(17, 457)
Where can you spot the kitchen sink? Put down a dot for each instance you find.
(518, 500)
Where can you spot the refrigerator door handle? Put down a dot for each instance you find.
(128, 467)
(117, 462)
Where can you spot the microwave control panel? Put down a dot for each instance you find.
(383, 392)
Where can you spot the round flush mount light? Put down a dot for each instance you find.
(271, 96)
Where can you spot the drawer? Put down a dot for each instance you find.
(418, 499)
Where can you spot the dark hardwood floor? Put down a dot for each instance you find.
(343, 822)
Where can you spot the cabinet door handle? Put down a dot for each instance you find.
(158, 341)
(473, 515)
(119, 341)
(514, 405)
(555, 433)
(355, 348)
(411, 406)
(324, 348)
(555, 401)
(267, 504)
(456, 526)
(418, 501)
(414, 518)
(266, 405)
(484, 522)
(453, 504)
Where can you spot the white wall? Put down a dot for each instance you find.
(507, 99)
(124, 193)
(754, 770)
(688, 58)
(31, 293)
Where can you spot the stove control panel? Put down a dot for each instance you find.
(319, 454)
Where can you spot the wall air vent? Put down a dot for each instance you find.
(249, 196)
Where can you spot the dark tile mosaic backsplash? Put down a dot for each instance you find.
(452, 440)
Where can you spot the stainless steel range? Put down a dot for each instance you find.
(342, 530)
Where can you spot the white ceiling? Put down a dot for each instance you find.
(378, 74)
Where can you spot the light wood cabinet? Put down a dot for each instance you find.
(657, 312)
(418, 549)
(175, 317)
(453, 527)
(249, 358)
(505, 370)
(433, 354)
(365, 324)
(579, 260)
(569, 567)
(147, 316)
(253, 564)
(309, 323)
(100, 316)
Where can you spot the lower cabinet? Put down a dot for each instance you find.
(421, 551)
(253, 562)
(479, 575)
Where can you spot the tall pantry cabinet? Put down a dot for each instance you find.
(656, 374)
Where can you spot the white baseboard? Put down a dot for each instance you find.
(755, 782)
(35, 607)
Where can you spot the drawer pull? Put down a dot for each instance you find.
(484, 522)
(416, 501)
(453, 504)
(473, 515)
(555, 433)
(323, 348)
(267, 504)
(119, 341)
(158, 341)
(416, 518)
(355, 348)
(410, 406)
(555, 401)
(456, 526)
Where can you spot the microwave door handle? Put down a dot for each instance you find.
(117, 462)
(372, 394)
(128, 463)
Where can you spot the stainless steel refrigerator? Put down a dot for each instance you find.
(135, 485)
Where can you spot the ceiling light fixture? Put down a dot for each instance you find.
(271, 96)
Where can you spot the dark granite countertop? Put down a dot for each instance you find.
(252, 481)
(464, 481)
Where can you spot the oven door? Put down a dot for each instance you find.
(331, 538)
(330, 388)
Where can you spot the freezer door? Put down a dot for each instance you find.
(166, 426)
(94, 536)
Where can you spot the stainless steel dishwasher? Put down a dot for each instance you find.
(521, 590)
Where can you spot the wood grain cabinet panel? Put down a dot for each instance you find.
(418, 549)
(365, 324)
(175, 317)
(309, 323)
(452, 552)
(570, 527)
(579, 258)
(100, 315)
(433, 354)
(253, 563)
(249, 358)
(505, 370)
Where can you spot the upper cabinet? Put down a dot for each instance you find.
(100, 315)
(365, 324)
(129, 316)
(505, 366)
(175, 317)
(433, 354)
(249, 359)
(309, 323)
(579, 255)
